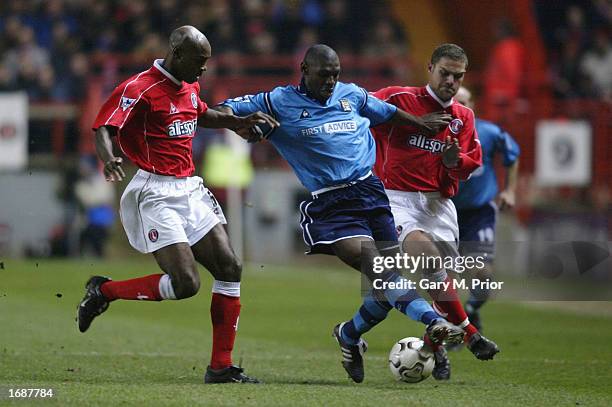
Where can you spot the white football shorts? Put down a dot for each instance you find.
(425, 211)
(157, 211)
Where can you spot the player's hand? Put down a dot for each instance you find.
(113, 171)
(250, 134)
(450, 153)
(436, 122)
(507, 200)
(258, 118)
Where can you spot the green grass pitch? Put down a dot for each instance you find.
(149, 354)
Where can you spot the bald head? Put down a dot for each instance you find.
(188, 35)
(189, 51)
(319, 53)
(320, 70)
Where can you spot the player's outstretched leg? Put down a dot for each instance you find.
(352, 354)
(445, 298)
(93, 303)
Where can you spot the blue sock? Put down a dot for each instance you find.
(370, 314)
(373, 311)
(409, 302)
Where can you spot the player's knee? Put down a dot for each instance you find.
(187, 286)
(230, 270)
(420, 244)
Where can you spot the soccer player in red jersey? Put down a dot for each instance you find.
(421, 173)
(164, 209)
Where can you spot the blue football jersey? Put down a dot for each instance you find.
(481, 187)
(325, 143)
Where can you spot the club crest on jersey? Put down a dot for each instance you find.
(153, 235)
(304, 114)
(194, 100)
(455, 126)
(180, 128)
(345, 105)
(126, 103)
(173, 109)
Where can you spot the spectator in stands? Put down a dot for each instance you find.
(597, 65)
(337, 30)
(26, 58)
(568, 80)
(504, 72)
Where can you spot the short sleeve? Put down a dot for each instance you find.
(375, 109)
(117, 109)
(247, 104)
(508, 147)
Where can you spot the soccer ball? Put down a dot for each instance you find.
(409, 362)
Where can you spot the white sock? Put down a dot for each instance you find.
(229, 288)
(165, 288)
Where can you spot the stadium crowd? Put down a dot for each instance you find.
(46, 47)
(577, 36)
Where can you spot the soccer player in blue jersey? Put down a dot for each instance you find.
(475, 202)
(324, 135)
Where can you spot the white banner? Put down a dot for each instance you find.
(13, 131)
(563, 153)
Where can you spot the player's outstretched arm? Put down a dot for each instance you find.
(216, 119)
(430, 124)
(250, 134)
(104, 149)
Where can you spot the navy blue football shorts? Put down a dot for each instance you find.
(477, 230)
(359, 209)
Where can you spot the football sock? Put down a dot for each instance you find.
(371, 313)
(224, 314)
(448, 304)
(433, 346)
(408, 301)
(148, 288)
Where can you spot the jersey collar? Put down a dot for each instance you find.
(158, 65)
(437, 99)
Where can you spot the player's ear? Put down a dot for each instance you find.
(430, 67)
(304, 67)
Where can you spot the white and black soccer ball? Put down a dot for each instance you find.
(409, 362)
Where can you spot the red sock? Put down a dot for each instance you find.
(224, 313)
(143, 288)
(433, 346)
(449, 303)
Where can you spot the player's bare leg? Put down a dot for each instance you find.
(177, 261)
(215, 253)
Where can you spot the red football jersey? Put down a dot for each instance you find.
(407, 160)
(156, 117)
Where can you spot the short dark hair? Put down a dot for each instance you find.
(451, 51)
